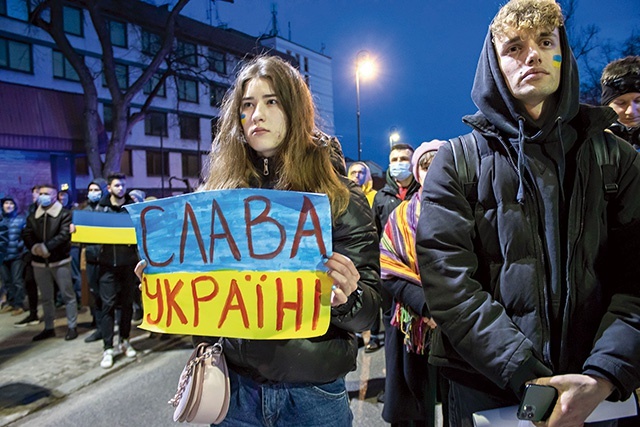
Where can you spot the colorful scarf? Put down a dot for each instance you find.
(398, 260)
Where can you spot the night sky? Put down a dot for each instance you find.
(426, 50)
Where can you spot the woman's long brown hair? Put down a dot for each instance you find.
(305, 163)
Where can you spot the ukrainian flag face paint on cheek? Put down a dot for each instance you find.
(243, 119)
(557, 61)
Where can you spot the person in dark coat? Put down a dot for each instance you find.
(12, 268)
(620, 83)
(536, 280)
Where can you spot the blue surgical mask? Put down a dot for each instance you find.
(94, 196)
(400, 170)
(44, 200)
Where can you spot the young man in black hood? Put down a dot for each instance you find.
(536, 281)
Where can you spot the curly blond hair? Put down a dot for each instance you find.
(527, 16)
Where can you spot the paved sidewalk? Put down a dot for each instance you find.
(35, 374)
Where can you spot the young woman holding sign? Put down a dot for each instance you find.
(267, 138)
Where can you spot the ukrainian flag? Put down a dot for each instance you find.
(103, 227)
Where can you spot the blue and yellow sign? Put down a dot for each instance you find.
(245, 263)
(102, 227)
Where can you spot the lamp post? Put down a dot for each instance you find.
(394, 136)
(364, 66)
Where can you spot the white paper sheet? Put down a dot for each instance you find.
(506, 417)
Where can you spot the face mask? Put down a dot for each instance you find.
(400, 170)
(94, 196)
(44, 200)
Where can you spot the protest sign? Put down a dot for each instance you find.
(245, 263)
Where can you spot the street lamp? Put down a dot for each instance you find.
(394, 136)
(366, 67)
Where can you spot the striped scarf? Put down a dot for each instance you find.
(398, 260)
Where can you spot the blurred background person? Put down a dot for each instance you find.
(360, 173)
(12, 268)
(620, 83)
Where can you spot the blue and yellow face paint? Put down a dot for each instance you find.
(243, 119)
(557, 61)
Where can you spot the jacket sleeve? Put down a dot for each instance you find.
(28, 235)
(408, 294)
(64, 233)
(354, 236)
(4, 238)
(470, 319)
(616, 351)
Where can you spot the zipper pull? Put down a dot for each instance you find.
(265, 169)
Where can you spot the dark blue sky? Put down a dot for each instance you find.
(426, 51)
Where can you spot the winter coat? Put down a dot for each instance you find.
(116, 255)
(386, 200)
(15, 247)
(50, 227)
(92, 252)
(538, 276)
(321, 359)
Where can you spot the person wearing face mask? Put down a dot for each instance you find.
(47, 236)
(401, 185)
(91, 253)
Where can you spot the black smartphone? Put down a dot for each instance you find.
(537, 403)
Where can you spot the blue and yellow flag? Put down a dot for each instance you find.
(103, 227)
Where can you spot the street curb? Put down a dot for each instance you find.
(84, 380)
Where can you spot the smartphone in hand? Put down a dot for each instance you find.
(537, 403)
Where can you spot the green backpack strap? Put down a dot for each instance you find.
(607, 153)
(467, 163)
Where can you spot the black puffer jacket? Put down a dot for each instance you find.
(540, 279)
(326, 358)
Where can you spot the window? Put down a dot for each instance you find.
(217, 61)
(155, 123)
(151, 84)
(157, 163)
(306, 64)
(189, 126)
(125, 163)
(107, 117)
(118, 32)
(17, 9)
(187, 89)
(191, 165)
(187, 53)
(62, 68)
(214, 124)
(15, 56)
(81, 166)
(72, 20)
(122, 76)
(151, 43)
(217, 92)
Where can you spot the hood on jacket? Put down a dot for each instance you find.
(5, 199)
(100, 182)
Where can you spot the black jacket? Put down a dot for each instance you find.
(538, 279)
(386, 200)
(116, 255)
(321, 359)
(50, 227)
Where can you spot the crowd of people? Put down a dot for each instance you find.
(522, 272)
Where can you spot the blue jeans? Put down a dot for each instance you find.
(286, 404)
(464, 401)
(12, 272)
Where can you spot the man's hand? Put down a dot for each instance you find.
(578, 396)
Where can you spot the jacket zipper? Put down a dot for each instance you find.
(44, 238)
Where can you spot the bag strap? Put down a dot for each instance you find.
(467, 163)
(607, 154)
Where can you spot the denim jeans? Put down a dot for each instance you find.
(286, 404)
(464, 401)
(12, 276)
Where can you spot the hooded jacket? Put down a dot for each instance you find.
(328, 357)
(536, 278)
(92, 252)
(15, 222)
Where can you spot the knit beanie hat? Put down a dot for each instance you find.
(425, 147)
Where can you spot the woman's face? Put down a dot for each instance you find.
(263, 120)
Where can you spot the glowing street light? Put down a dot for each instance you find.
(366, 67)
(394, 136)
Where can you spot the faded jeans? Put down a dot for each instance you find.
(286, 404)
